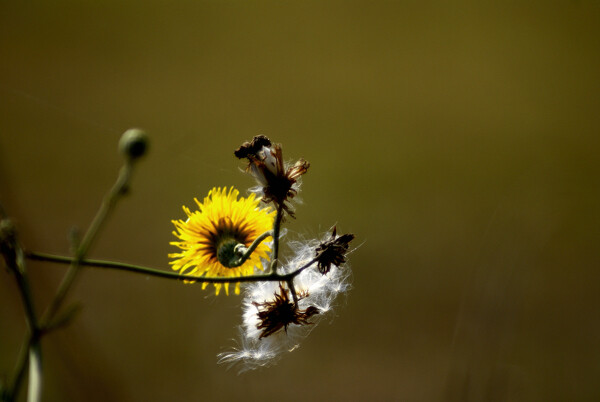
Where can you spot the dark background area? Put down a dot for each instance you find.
(458, 141)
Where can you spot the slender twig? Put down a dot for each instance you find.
(248, 251)
(139, 269)
(108, 204)
(290, 283)
(15, 260)
(133, 144)
(10, 393)
(276, 231)
(31, 352)
(25, 292)
(34, 389)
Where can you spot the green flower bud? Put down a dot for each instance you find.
(133, 143)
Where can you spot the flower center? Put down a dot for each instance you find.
(227, 254)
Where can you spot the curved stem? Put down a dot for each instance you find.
(276, 231)
(108, 204)
(15, 262)
(25, 291)
(165, 274)
(248, 252)
(290, 283)
(11, 391)
(34, 390)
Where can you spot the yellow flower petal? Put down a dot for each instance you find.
(219, 217)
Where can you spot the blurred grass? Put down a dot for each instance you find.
(458, 141)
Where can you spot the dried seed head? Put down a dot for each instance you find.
(280, 312)
(318, 298)
(332, 251)
(252, 148)
(278, 184)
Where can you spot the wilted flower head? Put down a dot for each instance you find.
(316, 292)
(224, 239)
(280, 312)
(333, 251)
(266, 165)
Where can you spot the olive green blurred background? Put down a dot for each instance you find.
(458, 141)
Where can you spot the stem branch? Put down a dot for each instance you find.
(15, 261)
(108, 204)
(165, 274)
(276, 231)
(248, 252)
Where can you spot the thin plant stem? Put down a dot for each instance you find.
(248, 252)
(276, 231)
(10, 393)
(108, 204)
(132, 144)
(15, 261)
(25, 292)
(166, 274)
(34, 391)
(290, 283)
(29, 351)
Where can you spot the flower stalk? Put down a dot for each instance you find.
(133, 145)
(159, 273)
(222, 243)
(117, 191)
(276, 232)
(245, 253)
(30, 351)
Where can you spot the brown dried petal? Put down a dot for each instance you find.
(280, 313)
(252, 148)
(332, 251)
(277, 183)
(299, 168)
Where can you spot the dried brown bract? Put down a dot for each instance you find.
(9, 247)
(332, 251)
(266, 165)
(280, 313)
(252, 148)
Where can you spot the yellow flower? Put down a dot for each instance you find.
(209, 236)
